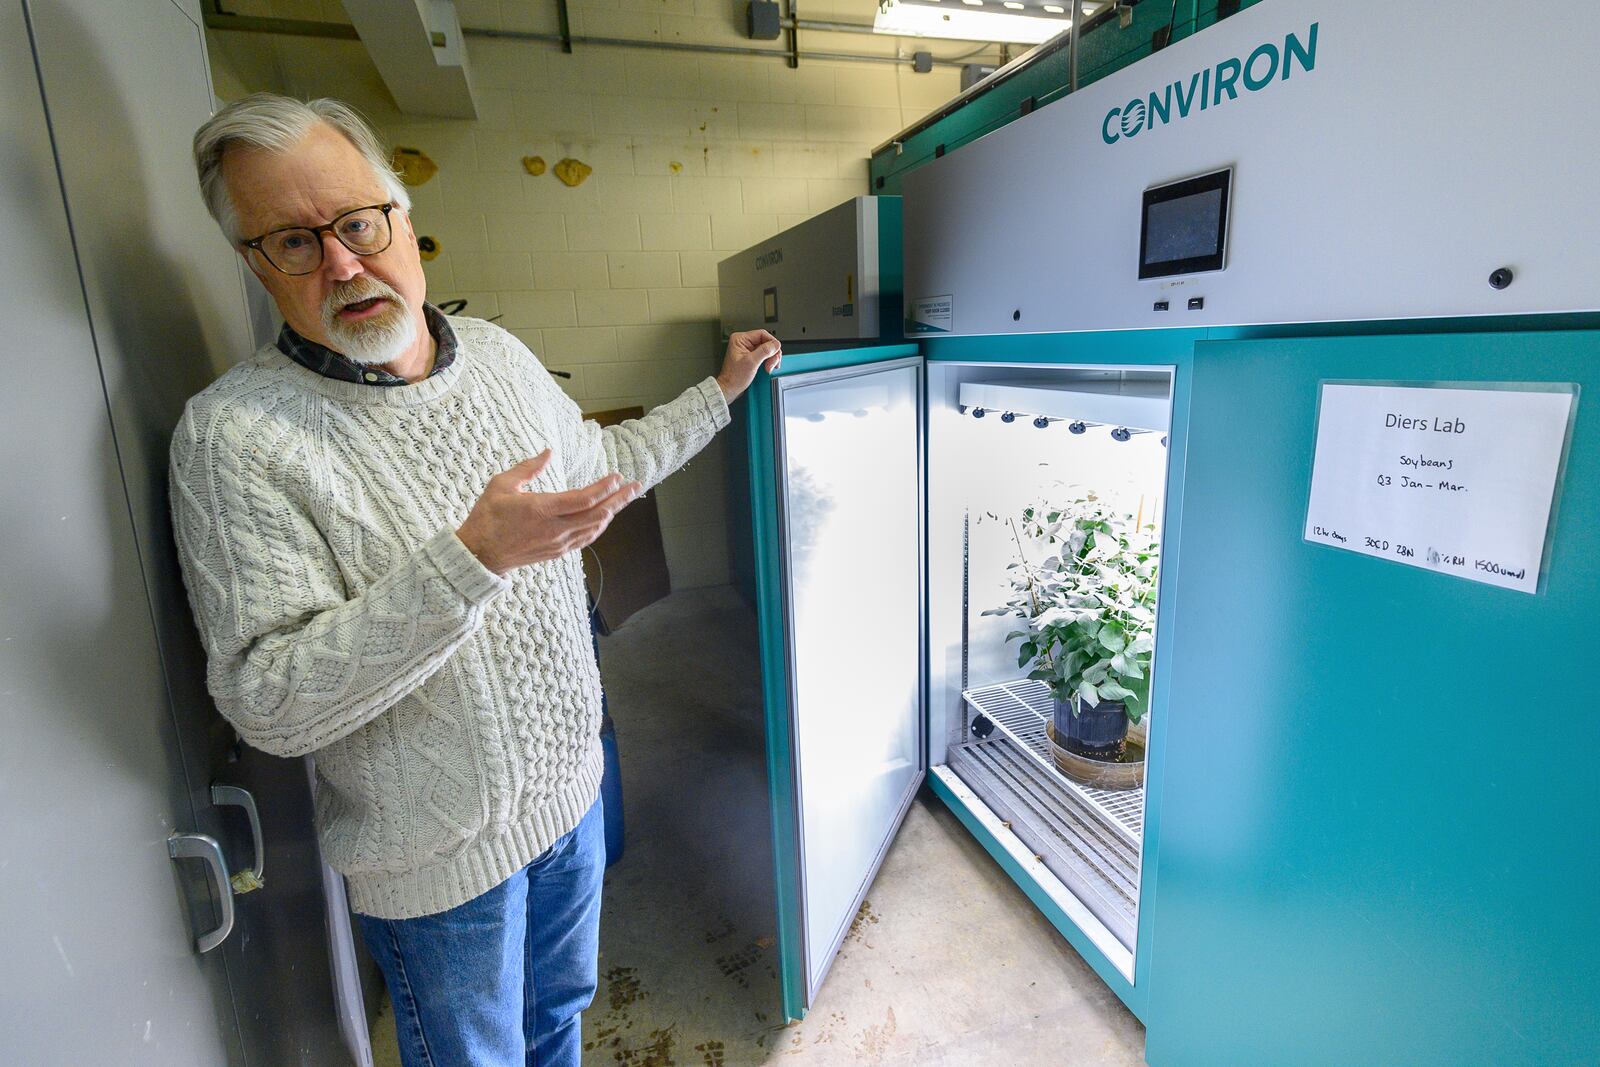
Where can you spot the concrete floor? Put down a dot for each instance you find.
(947, 962)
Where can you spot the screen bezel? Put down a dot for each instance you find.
(1213, 261)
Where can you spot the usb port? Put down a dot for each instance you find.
(1162, 305)
(1196, 303)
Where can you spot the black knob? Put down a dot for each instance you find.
(1041, 423)
(1008, 418)
(1076, 427)
(1501, 278)
(982, 727)
(1121, 433)
(1016, 316)
(978, 413)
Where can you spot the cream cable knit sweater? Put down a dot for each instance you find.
(454, 713)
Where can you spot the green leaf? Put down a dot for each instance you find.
(1089, 694)
(1070, 663)
(1113, 691)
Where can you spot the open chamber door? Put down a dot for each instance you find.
(837, 457)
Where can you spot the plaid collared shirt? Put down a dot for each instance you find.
(331, 364)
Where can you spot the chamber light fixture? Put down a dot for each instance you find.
(1008, 21)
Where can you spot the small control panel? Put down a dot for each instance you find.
(1185, 227)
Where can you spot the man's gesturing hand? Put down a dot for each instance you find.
(746, 352)
(510, 527)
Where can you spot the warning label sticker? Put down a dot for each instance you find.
(931, 314)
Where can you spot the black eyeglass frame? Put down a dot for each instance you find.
(254, 243)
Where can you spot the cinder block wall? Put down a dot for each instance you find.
(694, 157)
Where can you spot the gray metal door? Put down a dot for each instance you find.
(126, 86)
(98, 923)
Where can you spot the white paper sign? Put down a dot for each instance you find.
(1454, 480)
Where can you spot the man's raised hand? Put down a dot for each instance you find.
(747, 352)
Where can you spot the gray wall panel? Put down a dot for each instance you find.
(126, 87)
(98, 941)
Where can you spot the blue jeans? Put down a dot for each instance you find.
(500, 980)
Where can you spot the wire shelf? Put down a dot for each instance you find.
(1020, 710)
(1098, 864)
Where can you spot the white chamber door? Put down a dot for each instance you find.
(849, 454)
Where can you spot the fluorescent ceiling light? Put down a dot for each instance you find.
(1026, 22)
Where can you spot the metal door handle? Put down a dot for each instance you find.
(205, 847)
(232, 795)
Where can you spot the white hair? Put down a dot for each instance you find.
(277, 123)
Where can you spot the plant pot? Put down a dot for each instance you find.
(1098, 774)
(1097, 733)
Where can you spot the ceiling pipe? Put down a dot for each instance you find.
(865, 27)
(794, 35)
(342, 32)
(565, 19)
(714, 49)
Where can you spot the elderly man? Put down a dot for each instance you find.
(381, 520)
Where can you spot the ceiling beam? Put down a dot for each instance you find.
(417, 47)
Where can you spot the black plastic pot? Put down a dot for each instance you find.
(1098, 733)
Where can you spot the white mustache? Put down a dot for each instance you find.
(374, 340)
(354, 291)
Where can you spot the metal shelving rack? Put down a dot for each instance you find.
(1020, 710)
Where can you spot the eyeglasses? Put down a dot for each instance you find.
(298, 249)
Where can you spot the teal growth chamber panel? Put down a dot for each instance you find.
(1378, 839)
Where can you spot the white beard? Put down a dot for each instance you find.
(381, 339)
